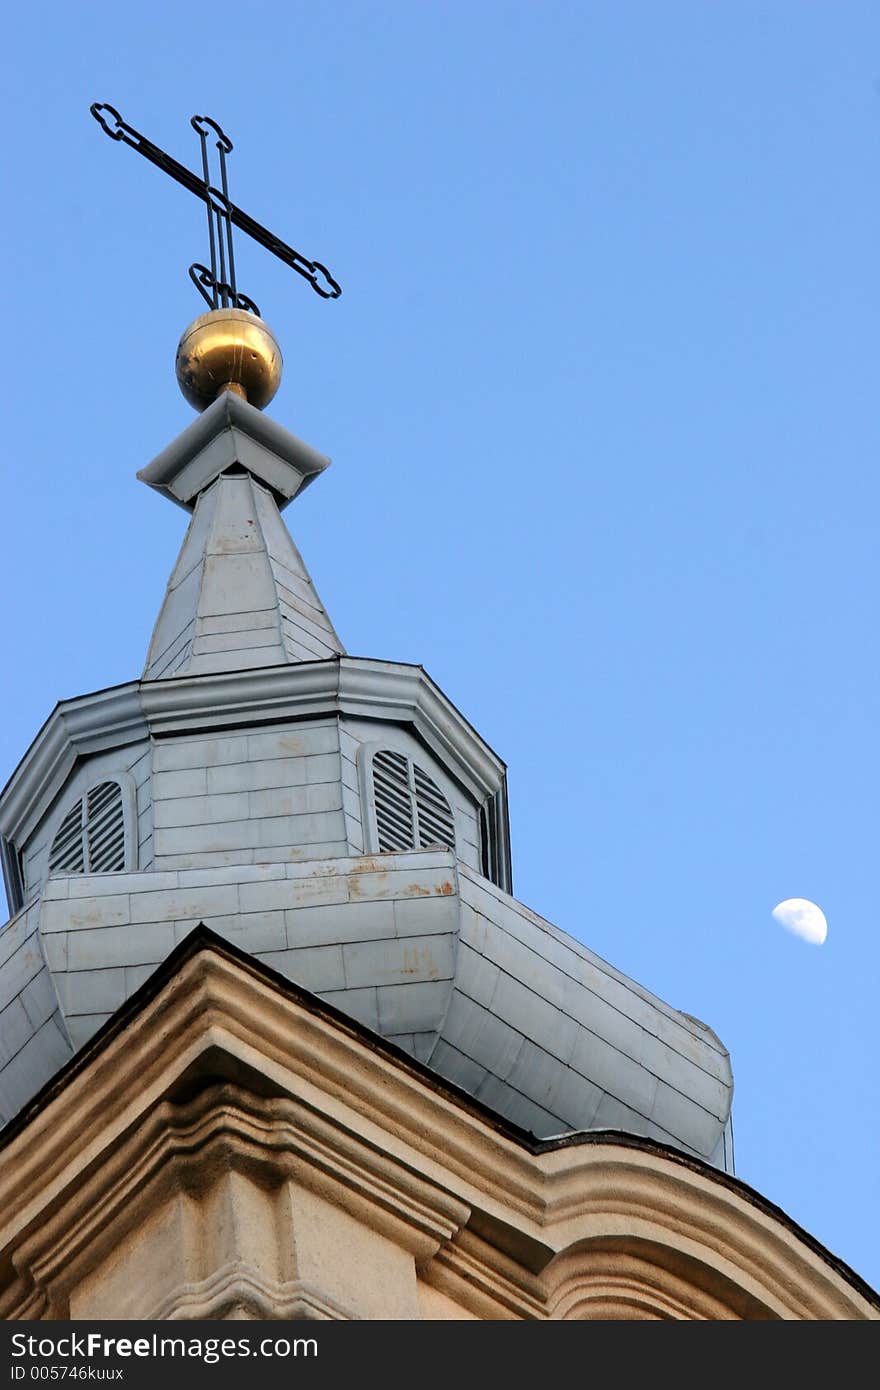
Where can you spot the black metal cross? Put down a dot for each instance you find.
(216, 285)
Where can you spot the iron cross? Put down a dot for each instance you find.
(216, 284)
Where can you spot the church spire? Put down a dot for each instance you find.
(239, 596)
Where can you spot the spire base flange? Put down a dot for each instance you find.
(232, 434)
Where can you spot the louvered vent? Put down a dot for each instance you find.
(66, 856)
(433, 812)
(411, 810)
(394, 801)
(105, 828)
(91, 838)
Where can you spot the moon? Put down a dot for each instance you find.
(803, 918)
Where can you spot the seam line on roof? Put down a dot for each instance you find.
(634, 1060)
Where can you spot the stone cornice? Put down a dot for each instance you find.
(349, 685)
(477, 1274)
(228, 699)
(358, 686)
(227, 1124)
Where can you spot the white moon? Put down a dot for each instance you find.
(802, 917)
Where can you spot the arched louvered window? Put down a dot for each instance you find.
(91, 838)
(411, 810)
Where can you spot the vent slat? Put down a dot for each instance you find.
(436, 822)
(394, 824)
(109, 815)
(435, 835)
(105, 857)
(109, 861)
(68, 864)
(386, 757)
(391, 794)
(432, 808)
(105, 828)
(66, 854)
(391, 784)
(70, 837)
(434, 825)
(110, 825)
(393, 802)
(427, 791)
(392, 774)
(101, 796)
(401, 823)
(104, 843)
(390, 838)
(72, 823)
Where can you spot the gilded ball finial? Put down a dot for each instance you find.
(228, 350)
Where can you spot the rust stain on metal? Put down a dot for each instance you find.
(86, 917)
(291, 744)
(354, 883)
(418, 890)
(419, 961)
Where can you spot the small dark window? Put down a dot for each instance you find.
(411, 810)
(91, 838)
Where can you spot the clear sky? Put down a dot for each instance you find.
(601, 396)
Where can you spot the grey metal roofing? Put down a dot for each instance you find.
(34, 1041)
(428, 954)
(239, 595)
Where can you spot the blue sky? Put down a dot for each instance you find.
(601, 398)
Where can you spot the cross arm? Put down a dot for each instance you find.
(318, 276)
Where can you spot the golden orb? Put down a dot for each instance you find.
(228, 350)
